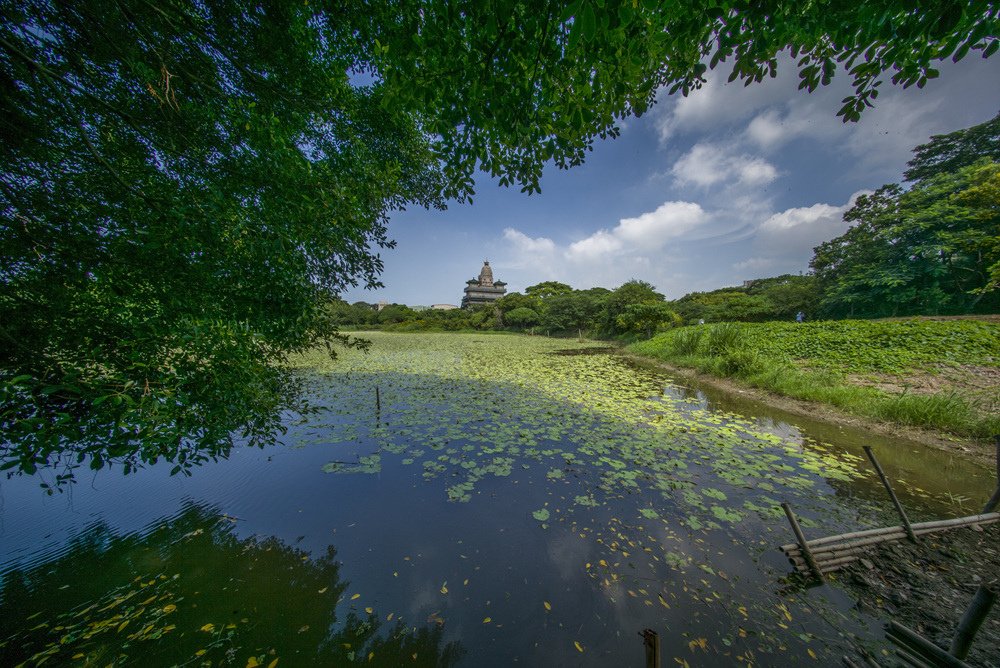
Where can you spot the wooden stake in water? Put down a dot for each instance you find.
(803, 545)
(892, 495)
(651, 641)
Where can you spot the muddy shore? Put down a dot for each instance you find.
(927, 587)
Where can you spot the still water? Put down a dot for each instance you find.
(505, 501)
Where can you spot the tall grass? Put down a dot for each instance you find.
(687, 341)
(734, 350)
(725, 337)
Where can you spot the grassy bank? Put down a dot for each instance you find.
(942, 375)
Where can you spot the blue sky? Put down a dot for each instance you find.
(728, 184)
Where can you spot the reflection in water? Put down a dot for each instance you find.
(934, 482)
(216, 598)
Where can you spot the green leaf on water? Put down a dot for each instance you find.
(541, 515)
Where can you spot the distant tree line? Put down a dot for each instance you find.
(633, 309)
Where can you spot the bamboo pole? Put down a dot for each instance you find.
(892, 495)
(994, 500)
(825, 566)
(971, 621)
(835, 548)
(911, 640)
(918, 528)
(911, 660)
(797, 530)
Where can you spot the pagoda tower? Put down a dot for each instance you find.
(483, 290)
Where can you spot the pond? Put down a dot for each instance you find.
(475, 500)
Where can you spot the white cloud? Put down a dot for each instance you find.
(526, 244)
(801, 218)
(716, 103)
(669, 220)
(708, 164)
(597, 245)
(784, 241)
(647, 231)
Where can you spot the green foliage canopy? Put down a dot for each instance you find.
(185, 186)
(179, 199)
(931, 250)
(950, 152)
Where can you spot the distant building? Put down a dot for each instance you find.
(443, 307)
(483, 290)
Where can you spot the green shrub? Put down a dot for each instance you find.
(725, 337)
(687, 340)
(741, 363)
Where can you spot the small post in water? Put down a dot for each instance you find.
(651, 641)
(892, 495)
(801, 538)
(971, 621)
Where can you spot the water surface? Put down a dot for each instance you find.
(502, 502)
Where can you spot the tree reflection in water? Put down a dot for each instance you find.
(190, 591)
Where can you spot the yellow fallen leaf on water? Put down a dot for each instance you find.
(603, 563)
(369, 610)
(323, 590)
(811, 653)
(356, 597)
(208, 628)
(252, 662)
(200, 652)
(588, 565)
(548, 606)
(79, 656)
(487, 620)
(444, 587)
(273, 663)
(371, 655)
(169, 608)
(579, 647)
(466, 583)
(389, 617)
(700, 642)
(743, 610)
